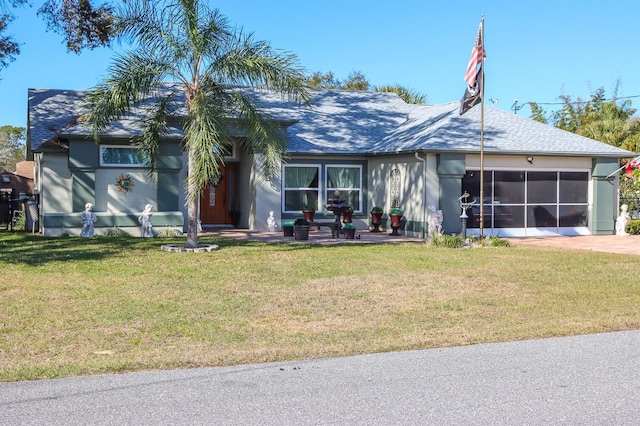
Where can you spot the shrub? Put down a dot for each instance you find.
(450, 241)
(377, 209)
(167, 233)
(301, 222)
(287, 224)
(115, 232)
(349, 226)
(396, 211)
(308, 208)
(496, 241)
(634, 227)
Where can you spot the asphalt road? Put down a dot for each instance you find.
(585, 380)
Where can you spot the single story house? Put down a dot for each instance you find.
(373, 147)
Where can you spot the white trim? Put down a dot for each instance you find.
(345, 166)
(544, 231)
(284, 188)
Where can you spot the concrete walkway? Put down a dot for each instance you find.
(584, 380)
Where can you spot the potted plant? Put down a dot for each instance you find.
(347, 215)
(395, 215)
(349, 231)
(376, 218)
(287, 228)
(308, 211)
(301, 229)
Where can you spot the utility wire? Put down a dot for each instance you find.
(582, 102)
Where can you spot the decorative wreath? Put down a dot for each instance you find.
(124, 183)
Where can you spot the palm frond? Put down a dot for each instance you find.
(247, 62)
(131, 79)
(206, 137)
(264, 136)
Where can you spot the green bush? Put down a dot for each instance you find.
(167, 233)
(396, 211)
(349, 226)
(115, 232)
(301, 222)
(450, 241)
(20, 223)
(377, 209)
(287, 224)
(634, 227)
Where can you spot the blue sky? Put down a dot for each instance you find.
(536, 50)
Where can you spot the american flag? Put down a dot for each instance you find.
(632, 165)
(478, 54)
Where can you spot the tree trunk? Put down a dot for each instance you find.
(192, 206)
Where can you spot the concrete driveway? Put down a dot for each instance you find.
(629, 244)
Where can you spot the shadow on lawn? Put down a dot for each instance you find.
(29, 249)
(35, 250)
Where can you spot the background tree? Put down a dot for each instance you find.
(609, 121)
(409, 96)
(83, 24)
(186, 42)
(12, 147)
(357, 81)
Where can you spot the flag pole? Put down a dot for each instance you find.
(482, 129)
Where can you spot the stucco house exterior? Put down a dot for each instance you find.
(372, 147)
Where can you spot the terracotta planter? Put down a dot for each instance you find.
(308, 215)
(395, 223)
(376, 221)
(347, 216)
(301, 233)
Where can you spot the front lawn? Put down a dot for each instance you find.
(72, 306)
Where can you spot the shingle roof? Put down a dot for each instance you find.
(347, 122)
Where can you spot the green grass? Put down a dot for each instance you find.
(72, 306)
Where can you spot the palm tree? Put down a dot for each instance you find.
(407, 95)
(187, 43)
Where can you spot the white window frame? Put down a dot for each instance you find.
(344, 166)
(319, 189)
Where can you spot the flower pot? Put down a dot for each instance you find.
(287, 231)
(308, 215)
(395, 223)
(347, 215)
(376, 221)
(349, 234)
(301, 233)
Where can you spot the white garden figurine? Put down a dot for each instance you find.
(88, 218)
(271, 222)
(146, 228)
(623, 220)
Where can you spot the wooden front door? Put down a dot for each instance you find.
(219, 203)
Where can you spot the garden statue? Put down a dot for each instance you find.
(88, 218)
(271, 222)
(146, 228)
(623, 220)
(435, 221)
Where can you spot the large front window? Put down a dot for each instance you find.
(301, 187)
(348, 181)
(314, 184)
